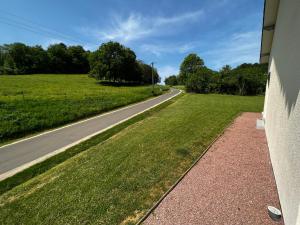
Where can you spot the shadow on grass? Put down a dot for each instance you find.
(120, 84)
(183, 151)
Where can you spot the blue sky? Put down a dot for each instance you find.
(163, 31)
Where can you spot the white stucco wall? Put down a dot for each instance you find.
(282, 109)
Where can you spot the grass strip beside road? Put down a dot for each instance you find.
(42, 167)
(119, 179)
(33, 103)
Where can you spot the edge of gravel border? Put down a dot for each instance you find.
(186, 172)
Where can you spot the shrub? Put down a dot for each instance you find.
(200, 81)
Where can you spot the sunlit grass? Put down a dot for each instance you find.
(30, 103)
(119, 179)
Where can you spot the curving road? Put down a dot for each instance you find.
(22, 154)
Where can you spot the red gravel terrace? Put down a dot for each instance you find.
(233, 183)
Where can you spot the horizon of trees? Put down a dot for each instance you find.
(245, 79)
(115, 62)
(18, 58)
(110, 62)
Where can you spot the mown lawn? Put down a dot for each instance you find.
(30, 103)
(118, 180)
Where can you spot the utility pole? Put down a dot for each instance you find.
(152, 77)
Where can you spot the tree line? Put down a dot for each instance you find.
(245, 79)
(110, 62)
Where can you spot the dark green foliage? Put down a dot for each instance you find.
(199, 81)
(111, 62)
(79, 59)
(144, 73)
(190, 65)
(114, 62)
(246, 79)
(20, 54)
(60, 60)
(251, 78)
(39, 60)
(9, 66)
(171, 80)
(18, 58)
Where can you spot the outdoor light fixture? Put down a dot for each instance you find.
(274, 213)
(270, 27)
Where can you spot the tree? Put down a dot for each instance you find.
(113, 62)
(245, 79)
(60, 60)
(225, 70)
(250, 78)
(39, 60)
(190, 65)
(171, 80)
(215, 82)
(79, 59)
(199, 81)
(18, 56)
(3, 53)
(9, 66)
(144, 73)
(227, 81)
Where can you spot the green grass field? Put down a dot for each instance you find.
(30, 103)
(117, 180)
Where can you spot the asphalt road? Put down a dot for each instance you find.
(22, 154)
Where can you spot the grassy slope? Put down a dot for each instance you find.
(181, 87)
(120, 179)
(35, 102)
(40, 168)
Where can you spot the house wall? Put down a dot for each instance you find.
(282, 109)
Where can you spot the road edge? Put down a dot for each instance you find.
(19, 169)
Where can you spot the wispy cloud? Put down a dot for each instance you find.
(190, 16)
(126, 30)
(241, 47)
(135, 26)
(159, 49)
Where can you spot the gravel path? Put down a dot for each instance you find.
(232, 184)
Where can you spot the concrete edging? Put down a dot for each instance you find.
(185, 173)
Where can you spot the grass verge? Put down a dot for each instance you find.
(32, 103)
(119, 179)
(40, 168)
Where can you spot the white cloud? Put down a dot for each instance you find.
(241, 47)
(136, 26)
(126, 30)
(190, 16)
(90, 46)
(166, 71)
(48, 42)
(158, 49)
